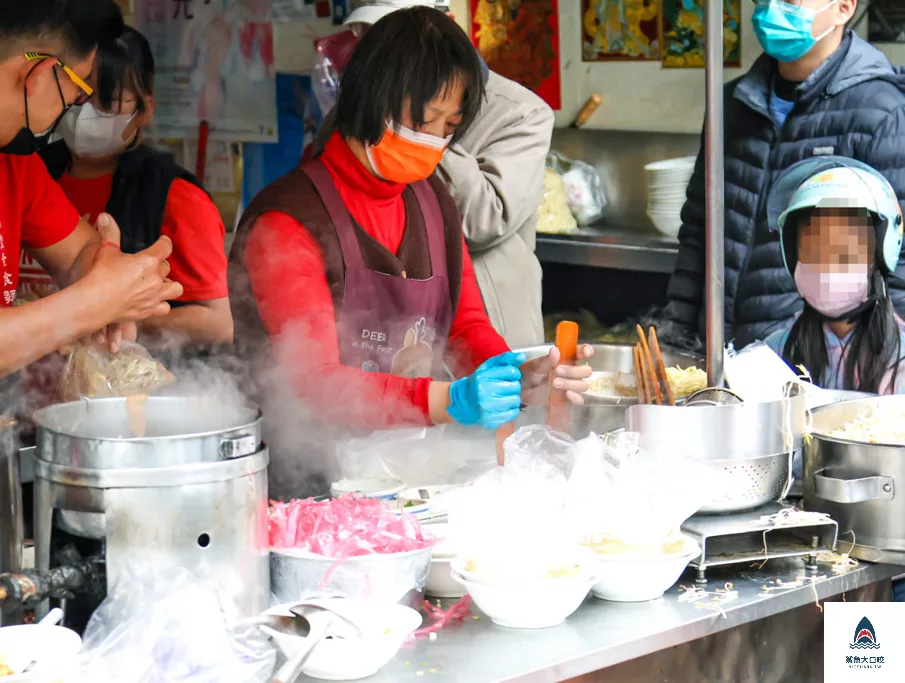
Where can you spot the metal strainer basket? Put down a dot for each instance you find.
(746, 483)
(713, 396)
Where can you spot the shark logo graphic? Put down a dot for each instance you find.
(865, 636)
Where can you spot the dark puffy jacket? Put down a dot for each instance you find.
(853, 106)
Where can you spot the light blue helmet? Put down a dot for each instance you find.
(840, 183)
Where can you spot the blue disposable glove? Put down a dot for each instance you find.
(491, 396)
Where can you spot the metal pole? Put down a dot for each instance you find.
(11, 521)
(713, 146)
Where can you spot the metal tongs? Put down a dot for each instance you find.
(650, 370)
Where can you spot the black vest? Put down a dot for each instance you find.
(141, 185)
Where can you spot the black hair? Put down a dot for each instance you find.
(875, 346)
(125, 63)
(412, 55)
(71, 28)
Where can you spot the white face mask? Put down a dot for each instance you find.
(92, 133)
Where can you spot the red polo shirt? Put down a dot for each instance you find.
(34, 213)
(294, 295)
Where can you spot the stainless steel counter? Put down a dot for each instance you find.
(602, 635)
(623, 245)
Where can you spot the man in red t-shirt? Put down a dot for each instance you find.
(47, 50)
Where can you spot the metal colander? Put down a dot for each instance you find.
(746, 483)
(713, 396)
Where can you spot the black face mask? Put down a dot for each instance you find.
(26, 142)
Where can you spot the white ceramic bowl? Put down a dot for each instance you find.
(625, 578)
(529, 604)
(55, 650)
(384, 489)
(440, 583)
(339, 659)
(671, 165)
(668, 223)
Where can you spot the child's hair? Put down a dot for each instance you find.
(875, 345)
(126, 63)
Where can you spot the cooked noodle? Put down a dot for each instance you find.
(684, 382)
(880, 424)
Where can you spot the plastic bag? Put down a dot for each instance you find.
(758, 374)
(169, 627)
(333, 54)
(554, 216)
(620, 498)
(584, 188)
(94, 372)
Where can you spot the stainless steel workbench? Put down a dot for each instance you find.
(622, 245)
(761, 636)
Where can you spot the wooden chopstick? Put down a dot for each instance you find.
(639, 375)
(650, 371)
(661, 367)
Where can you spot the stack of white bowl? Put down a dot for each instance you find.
(667, 182)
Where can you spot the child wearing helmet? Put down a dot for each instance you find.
(840, 228)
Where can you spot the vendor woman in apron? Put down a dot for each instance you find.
(349, 280)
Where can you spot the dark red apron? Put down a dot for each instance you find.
(389, 323)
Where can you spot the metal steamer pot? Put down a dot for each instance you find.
(748, 447)
(190, 492)
(601, 415)
(860, 485)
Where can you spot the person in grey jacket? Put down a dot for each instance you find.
(495, 174)
(818, 90)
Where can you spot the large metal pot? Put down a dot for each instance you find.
(191, 492)
(856, 483)
(601, 415)
(96, 434)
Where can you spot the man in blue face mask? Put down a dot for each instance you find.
(818, 89)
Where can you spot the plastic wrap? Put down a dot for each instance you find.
(510, 523)
(584, 189)
(419, 457)
(534, 517)
(621, 499)
(344, 527)
(94, 372)
(170, 627)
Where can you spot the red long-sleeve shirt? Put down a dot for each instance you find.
(287, 274)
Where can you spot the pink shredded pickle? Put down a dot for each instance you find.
(441, 618)
(344, 527)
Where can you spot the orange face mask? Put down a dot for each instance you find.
(406, 156)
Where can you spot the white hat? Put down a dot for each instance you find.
(372, 11)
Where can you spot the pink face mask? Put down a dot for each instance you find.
(833, 293)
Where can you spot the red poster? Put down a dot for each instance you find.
(519, 39)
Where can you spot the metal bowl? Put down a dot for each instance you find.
(600, 414)
(395, 577)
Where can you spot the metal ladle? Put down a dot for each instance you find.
(325, 618)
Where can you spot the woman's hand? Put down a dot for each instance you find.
(573, 379)
(491, 396)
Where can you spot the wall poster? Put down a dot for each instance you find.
(214, 63)
(683, 33)
(620, 30)
(519, 39)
